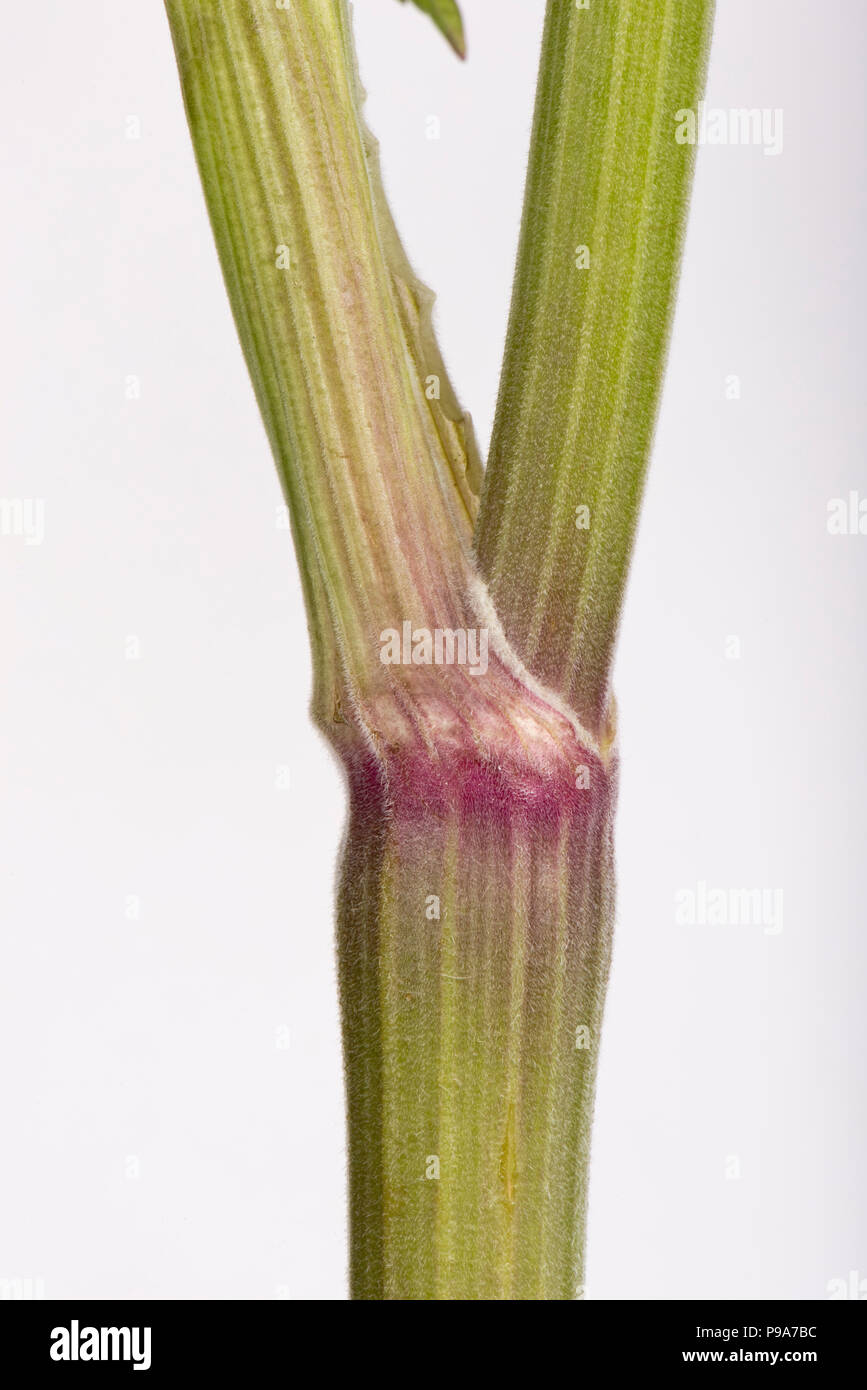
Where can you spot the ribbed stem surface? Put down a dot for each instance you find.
(474, 933)
(605, 207)
(476, 894)
(377, 461)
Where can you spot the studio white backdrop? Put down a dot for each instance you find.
(170, 1083)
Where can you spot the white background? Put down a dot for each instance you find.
(170, 1087)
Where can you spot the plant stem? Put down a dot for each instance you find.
(607, 193)
(381, 481)
(476, 895)
(474, 933)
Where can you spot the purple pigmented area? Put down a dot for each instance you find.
(491, 751)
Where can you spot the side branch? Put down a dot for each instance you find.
(376, 460)
(606, 201)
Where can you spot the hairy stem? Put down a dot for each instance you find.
(474, 931)
(606, 199)
(476, 897)
(380, 473)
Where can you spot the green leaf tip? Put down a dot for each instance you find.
(447, 18)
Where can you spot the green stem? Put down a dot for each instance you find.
(606, 200)
(381, 479)
(474, 932)
(475, 908)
